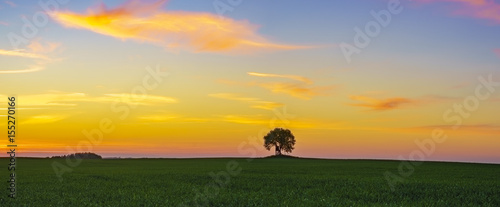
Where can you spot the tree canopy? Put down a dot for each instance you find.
(282, 139)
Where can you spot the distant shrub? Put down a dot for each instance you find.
(82, 155)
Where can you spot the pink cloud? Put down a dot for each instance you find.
(497, 51)
(384, 104)
(380, 104)
(10, 3)
(481, 9)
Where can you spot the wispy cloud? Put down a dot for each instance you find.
(381, 104)
(40, 47)
(29, 69)
(301, 87)
(134, 99)
(60, 99)
(10, 3)
(297, 90)
(36, 51)
(481, 9)
(44, 119)
(255, 102)
(22, 54)
(51, 99)
(192, 31)
(4, 23)
(293, 77)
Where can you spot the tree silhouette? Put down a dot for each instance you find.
(84, 155)
(281, 139)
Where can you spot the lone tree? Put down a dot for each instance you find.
(281, 139)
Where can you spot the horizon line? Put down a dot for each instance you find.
(271, 156)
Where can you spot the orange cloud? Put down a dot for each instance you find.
(381, 105)
(482, 9)
(297, 90)
(193, 31)
(300, 89)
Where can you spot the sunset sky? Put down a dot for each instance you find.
(205, 78)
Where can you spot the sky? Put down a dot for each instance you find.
(367, 79)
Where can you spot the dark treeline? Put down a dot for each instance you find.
(84, 155)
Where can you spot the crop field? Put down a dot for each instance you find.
(257, 182)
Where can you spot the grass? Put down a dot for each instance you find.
(261, 182)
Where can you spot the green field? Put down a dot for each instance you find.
(261, 182)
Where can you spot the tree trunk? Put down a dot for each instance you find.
(278, 150)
